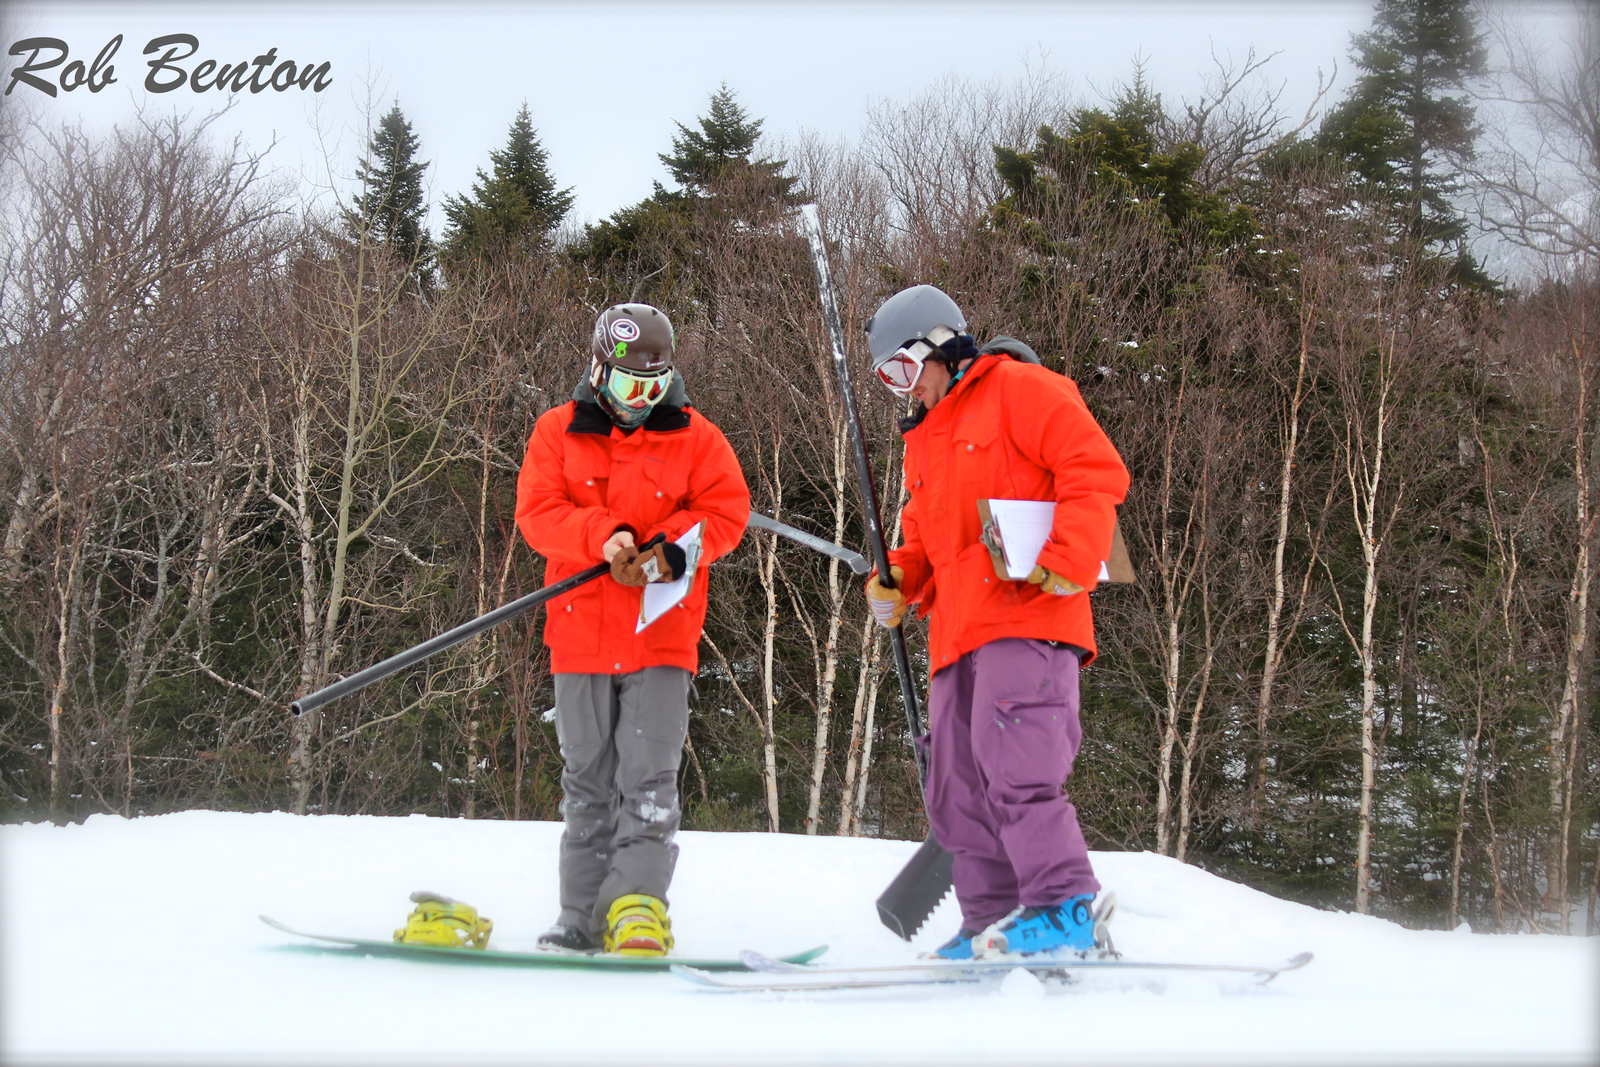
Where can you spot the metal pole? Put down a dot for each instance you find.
(869, 490)
(401, 660)
(858, 563)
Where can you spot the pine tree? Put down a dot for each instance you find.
(1401, 129)
(656, 234)
(518, 200)
(1127, 152)
(391, 204)
(722, 148)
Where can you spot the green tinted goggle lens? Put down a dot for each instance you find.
(634, 388)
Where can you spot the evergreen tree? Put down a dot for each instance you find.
(722, 148)
(1124, 151)
(518, 200)
(655, 236)
(391, 205)
(1400, 128)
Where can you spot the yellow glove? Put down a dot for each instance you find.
(1052, 583)
(888, 605)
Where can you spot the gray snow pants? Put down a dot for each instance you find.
(622, 739)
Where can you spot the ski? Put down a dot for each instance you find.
(784, 977)
(494, 957)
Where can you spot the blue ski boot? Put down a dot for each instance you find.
(958, 947)
(1052, 927)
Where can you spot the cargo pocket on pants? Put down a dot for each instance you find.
(1032, 744)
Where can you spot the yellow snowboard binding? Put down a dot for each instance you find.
(444, 923)
(637, 925)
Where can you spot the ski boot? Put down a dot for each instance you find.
(444, 923)
(958, 947)
(637, 925)
(1048, 928)
(564, 938)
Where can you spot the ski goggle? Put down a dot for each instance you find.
(902, 369)
(638, 388)
(904, 366)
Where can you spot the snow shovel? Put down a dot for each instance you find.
(923, 882)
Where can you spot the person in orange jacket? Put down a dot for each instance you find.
(626, 460)
(1003, 700)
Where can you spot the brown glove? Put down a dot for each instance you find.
(888, 605)
(1052, 583)
(660, 561)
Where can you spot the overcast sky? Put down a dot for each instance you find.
(605, 82)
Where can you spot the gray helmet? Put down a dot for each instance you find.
(909, 315)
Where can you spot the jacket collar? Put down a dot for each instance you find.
(980, 367)
(672, 413)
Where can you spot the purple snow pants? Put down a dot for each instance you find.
(1003, 731)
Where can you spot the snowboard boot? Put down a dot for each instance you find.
(564, 938)
(958, 947)
(1052, 927)
(637, 925)
(444, 923)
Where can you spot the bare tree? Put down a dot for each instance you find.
(123, 250)
(1236, 120)
(360, 383)
(1537, 184)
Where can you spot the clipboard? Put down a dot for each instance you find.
(661, 597)
(1015, 531)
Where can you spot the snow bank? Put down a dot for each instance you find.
(130, 941)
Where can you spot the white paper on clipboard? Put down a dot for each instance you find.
(1023, 527)
(661, 597)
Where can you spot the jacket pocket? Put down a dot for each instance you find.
(982, 593)
(588, 475)
(667, 487)
(572, 620)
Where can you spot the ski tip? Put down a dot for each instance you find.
(1298, 960)
(760, 961)
(695, 975)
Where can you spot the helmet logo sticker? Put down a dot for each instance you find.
(625, 330)
(620, 351)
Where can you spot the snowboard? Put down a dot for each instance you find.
(776, 975)
(493, 957)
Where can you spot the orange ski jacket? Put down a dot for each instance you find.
(583, 479)
(1013, 431)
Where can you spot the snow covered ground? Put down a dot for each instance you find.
(137, 941)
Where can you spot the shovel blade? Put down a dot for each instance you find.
(916, 890)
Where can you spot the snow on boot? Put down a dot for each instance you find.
(958, 947)
(637, 925)
(564, 938)
(1030, 930)
(443, 923)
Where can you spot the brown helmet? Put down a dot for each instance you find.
(632, 366)
(636, 336)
